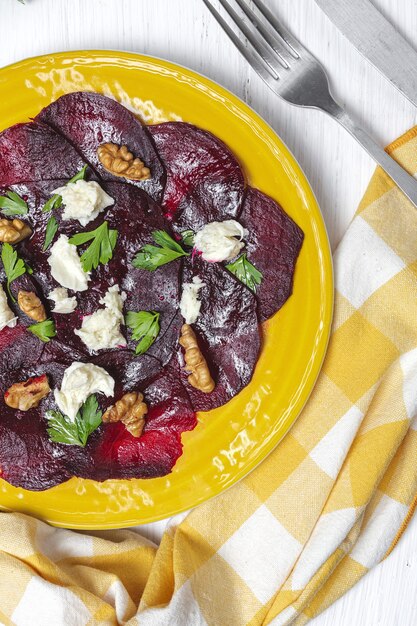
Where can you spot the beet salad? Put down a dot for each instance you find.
(136, 269)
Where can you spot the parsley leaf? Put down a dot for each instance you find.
(79, 175)
(145, 328)
(187, 237)
(246, 272)
(62, 430)
(55, 201)
(100, 250)
(51, 229)
(88, 419)
(13, 204)
(13, 265)
(151, 257)
(43, 330)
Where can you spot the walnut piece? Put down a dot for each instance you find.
(30, 304)
(196, 364)
(130, 410)
(13, 231)
(120, 162)
(27, 394)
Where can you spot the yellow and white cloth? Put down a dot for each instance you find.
(329, 504)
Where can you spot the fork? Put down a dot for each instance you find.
(294, 74)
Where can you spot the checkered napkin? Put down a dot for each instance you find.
(329, 504)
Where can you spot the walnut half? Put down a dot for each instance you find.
(13, 231)
(130, 410)
(27, 394)
(196, 364)
(30, 304)
(120, 162)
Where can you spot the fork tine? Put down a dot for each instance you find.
(267, 55)
(275, 41)
(258, 64)
(292, 43)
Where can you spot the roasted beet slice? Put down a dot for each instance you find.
(117, 454)
(27, 458)
(205, 182)
(35, 152)
(88, 120)
(9, 335)
(227, 330)
(18, 348)
(129, 371)
(273, 246)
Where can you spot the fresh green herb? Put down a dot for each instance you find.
(51, 229)
(88, 418)
(100, 250)
(79, 175)
(62, 430)
(13, 204)
(145, 328)
(246, 272)
(55, 201)
(43, 330)
(13, 265)
(188, 238)
(151, 257)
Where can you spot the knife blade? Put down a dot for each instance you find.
(377, 40)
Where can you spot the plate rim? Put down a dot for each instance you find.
(328, 286)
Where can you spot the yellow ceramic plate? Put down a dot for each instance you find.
(230, 441)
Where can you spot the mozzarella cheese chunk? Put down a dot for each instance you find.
(7, 317)
(80, 381)
(190, 305)
(113, 300)
(101, 329)
(83, 201)
(220, 241)
(63, 303)
(66, 266)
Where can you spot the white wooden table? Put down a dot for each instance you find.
(338, 169)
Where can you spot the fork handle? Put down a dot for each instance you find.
(406, 182)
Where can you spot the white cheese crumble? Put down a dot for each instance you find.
(83, 201)
(63, 303)
(101, 329)
(190, 305)
(66, 266)
(80, 381)
(220, 241)
(7, 317)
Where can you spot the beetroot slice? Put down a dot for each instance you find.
(205, 182)
(117, 454)
(273, 246)
(227, 330)
(35, 152)
(18, 348)
(88, 120)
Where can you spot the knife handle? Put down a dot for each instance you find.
(403, 180)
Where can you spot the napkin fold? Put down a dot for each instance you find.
(326, 506)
